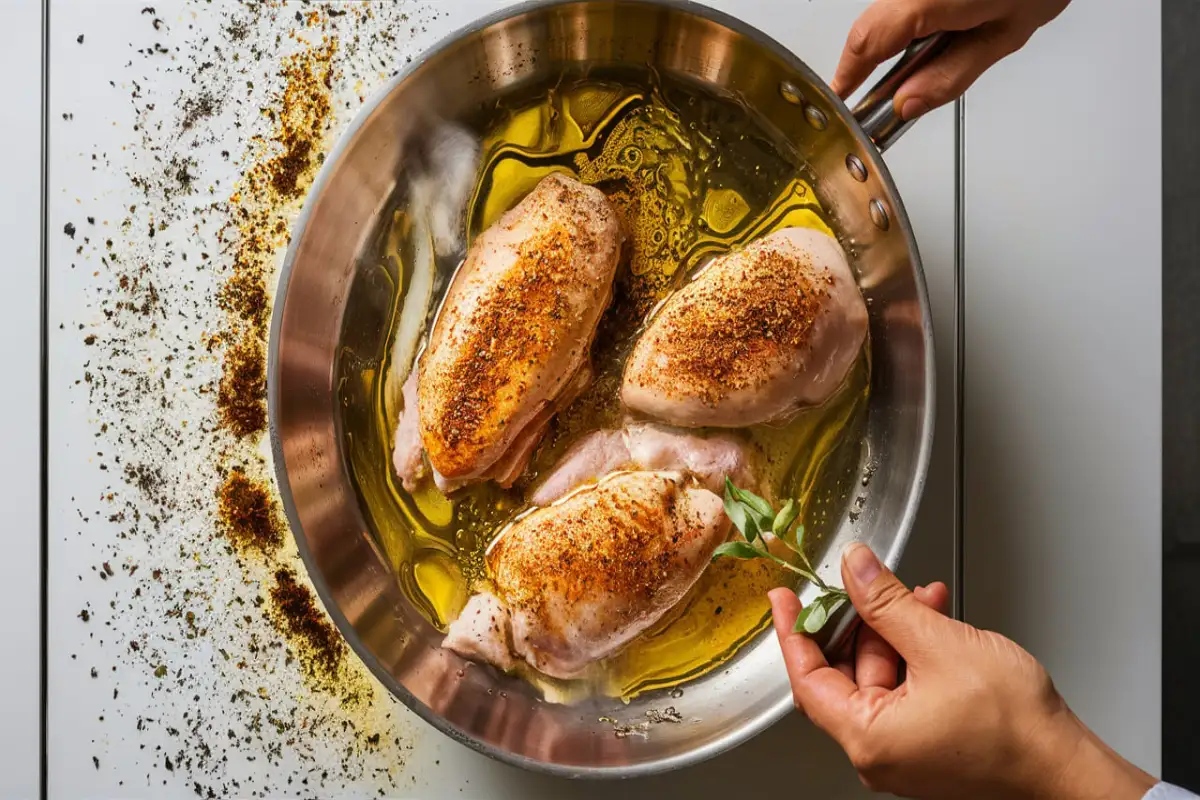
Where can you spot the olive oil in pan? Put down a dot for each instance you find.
(691, 178)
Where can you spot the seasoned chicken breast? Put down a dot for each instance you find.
(757, 334)
(577, 580)
(648, 447)
(511, 344)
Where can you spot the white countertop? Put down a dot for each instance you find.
(1061, 422)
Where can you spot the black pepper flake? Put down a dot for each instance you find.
(69, 230)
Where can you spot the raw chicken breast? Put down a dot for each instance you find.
(757, 334)
(576, 581)
(407, 450)
(511, 344)
(483, 632)
(651, 447)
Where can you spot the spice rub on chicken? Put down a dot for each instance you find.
(758, 334)
(577, 580)
(511, 344)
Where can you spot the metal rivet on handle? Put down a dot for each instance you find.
(856, 168)
(791, 92)
(816, 117)
(879, 214)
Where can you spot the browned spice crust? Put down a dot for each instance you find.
(749, 321)
(504, 339)
(609, 542)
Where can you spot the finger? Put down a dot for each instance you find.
(820, 691)
(953, 71)
(877, 663)
(889, 26)
(935, 595)
(887, 606)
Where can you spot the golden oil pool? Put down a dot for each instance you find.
(692, 177)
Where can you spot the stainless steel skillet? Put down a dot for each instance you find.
(325, 302)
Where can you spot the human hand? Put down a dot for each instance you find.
(975, 716)
(989, 31)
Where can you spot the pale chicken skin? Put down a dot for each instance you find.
(511, 344)
(758, 334)
(650, 447)
(576, 581)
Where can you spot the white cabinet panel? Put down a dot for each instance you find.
(1063, 361)
(20, 406)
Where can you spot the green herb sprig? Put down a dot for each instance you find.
(753, 516)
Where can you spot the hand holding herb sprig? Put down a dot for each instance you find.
(753, 516)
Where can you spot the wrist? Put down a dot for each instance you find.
(1077, 765)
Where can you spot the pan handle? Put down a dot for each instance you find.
(876, 112)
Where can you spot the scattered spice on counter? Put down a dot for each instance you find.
(243, 684)
(322, 648)
(249, 515)
(260, 209)
(242, 397)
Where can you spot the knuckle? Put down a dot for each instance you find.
(886, 599)
(919, 18)
(1044, 691)
(859, 37)
(865, 758)
(1018, 40)
(921, 24)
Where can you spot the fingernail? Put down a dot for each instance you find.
(863, 564)
(913, 107)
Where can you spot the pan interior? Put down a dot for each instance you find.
(346, 273)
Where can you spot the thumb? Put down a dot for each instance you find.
(887, 606)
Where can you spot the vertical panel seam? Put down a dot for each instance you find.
(960, 113)
(43, 417)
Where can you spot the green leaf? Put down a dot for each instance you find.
(742, 550)
(812, 618)
(739, 514)
(784, 519)
(759, 507)
(800, 540)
